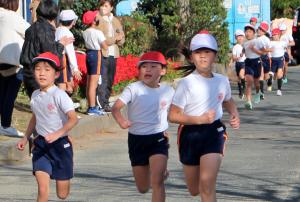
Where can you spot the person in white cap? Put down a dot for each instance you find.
(148, 102)
(197, 107)
(67, 20)
(288, 38)
(252, 66)
(238, 56)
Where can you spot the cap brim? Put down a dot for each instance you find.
(42, 59)
(153, 61)
(203, 47)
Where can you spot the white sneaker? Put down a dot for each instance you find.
(10, 131)
(279, 93)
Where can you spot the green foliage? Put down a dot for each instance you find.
(139, 35)
(284, 9)
(173, 28)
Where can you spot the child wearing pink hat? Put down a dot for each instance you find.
(198, 107)
(94, 41)
(148, 102)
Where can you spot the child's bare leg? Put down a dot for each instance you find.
(142, 178)
(209, 168)
(158, 167)
(249, 82)
(43, 180)
(62, 188)
(93, 82)
(192, 179)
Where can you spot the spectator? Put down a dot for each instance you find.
(33, 6)
(12, 36)
(40, 38)
(113, 32)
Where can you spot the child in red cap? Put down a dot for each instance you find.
(253, 21)
(148, 102)
(53, 116)
(95, 41)
(197, 107)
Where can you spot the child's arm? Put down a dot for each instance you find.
(104, 45)
(234, 114)
(72, 121)
(116, 112)
(176, 115)
(30, 128)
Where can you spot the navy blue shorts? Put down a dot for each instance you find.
(142, 147)
(66, 73)
(195, 141)
(277, 63)
(93, 62)
(56, 158)
(238, 67)
(266, 63)
(286, 57)
(253, 67)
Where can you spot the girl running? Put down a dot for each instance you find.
(148, 102)
(197, 106)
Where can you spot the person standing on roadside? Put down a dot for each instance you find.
(12, 36)
(113, 32)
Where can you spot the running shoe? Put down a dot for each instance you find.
(93, 111)
(262, 96)
(279, 93)
(248, 105)
(11, 132)
(241, 96)
(269, 88)
(257, 98)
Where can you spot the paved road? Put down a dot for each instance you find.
(262, 161)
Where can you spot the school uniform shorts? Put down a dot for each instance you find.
(194, 141)
(66, 73)
(266, 63)
(253, 67)
(93, 62)
(56, 158)
(238, 67)
(142, 147)
(277, 63)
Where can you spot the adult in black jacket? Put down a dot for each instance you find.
(40, 38)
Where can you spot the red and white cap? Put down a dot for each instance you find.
(89, 17)
(249, 26)
(67, 15)
(253, 19)
(239, 32)
(276, 31)
(264, 26)
(49, 57)
(152, 56)
(203, 40)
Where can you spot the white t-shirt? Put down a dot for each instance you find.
(69, 49)
(278, 48)
(287, 38)
(237, 51)
(248, 52)
(93, 38)
(50, 109)
(263, 42)
(196, 94)
(147, 107)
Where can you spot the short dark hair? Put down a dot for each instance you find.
(10, 4)
(47, 9)
(66, 23)
(109, 1)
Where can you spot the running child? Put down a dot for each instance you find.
(94, 40)
(67, 19)
(277, 59)
(252, 66)
(197, 106)
(53, 116)
(287, 38)
(148, 102)
(238, 56)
